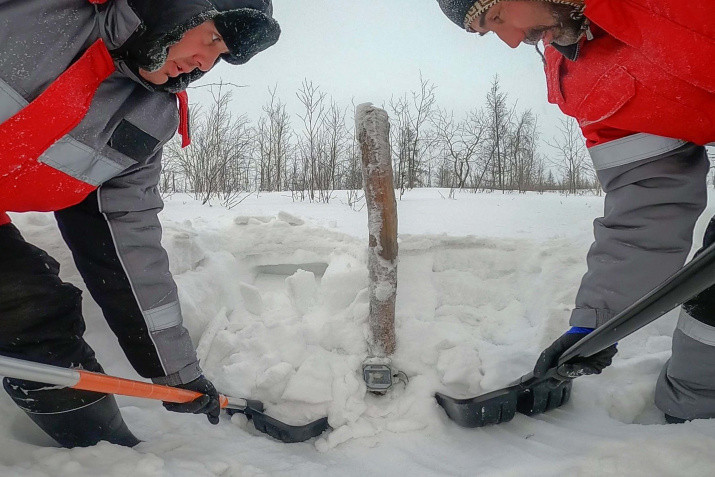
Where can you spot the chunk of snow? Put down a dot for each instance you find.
(312, 383)
(252, 299)
(290, 218)
(302, 290)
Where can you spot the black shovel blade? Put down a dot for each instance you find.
(491, 408)
(528, 396)
(285, 432)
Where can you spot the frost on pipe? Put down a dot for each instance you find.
(373, 132)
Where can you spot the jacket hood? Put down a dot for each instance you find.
(247, 27)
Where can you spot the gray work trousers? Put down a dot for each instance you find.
(686, 386)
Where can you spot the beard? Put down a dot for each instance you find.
(566, 30)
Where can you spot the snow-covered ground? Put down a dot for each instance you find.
(274, 296)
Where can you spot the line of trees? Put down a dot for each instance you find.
(493, 147)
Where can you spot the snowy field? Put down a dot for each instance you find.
(274, 296)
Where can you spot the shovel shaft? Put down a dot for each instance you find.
(88, 381)
(686, 283)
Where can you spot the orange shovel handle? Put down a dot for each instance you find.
(102, 383)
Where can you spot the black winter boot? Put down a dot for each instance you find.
(72, 418)
(86, 426)
(674, 420)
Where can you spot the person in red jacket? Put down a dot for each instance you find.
(636, 76)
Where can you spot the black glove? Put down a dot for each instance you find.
(576, 367)
(544, 396)
(207, 404)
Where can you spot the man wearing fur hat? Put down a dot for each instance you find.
(636, 75)
(88, 97)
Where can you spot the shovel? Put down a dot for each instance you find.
(89, 381)
(531, 395)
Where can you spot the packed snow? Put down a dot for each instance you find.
(274, 295)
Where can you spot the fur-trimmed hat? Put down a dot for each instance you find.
(247, 30)
(246, 26)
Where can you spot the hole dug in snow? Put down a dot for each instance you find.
(273, 283)
(288, 269)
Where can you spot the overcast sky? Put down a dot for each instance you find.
(370, 50)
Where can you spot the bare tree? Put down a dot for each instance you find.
(353, 179)
(408, 138)
(459, 143)
(400, 140)
(336, 147)
(273, 140)
(311, 140)
(571, 155)
(234, 177)
(522, 146)
(499, 118)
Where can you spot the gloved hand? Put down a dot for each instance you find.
(575, 368)
(208, 404)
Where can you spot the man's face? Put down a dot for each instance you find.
(529, 21)
(199, 48)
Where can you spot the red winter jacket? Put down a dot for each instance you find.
(648, 70)
(643, 92)
(27, 134)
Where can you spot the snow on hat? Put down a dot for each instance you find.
(247, 30)
(463, 12)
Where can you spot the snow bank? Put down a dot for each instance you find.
(277, 307)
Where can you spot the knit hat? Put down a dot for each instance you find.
(463, 12)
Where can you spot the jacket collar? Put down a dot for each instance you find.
(571, 52)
